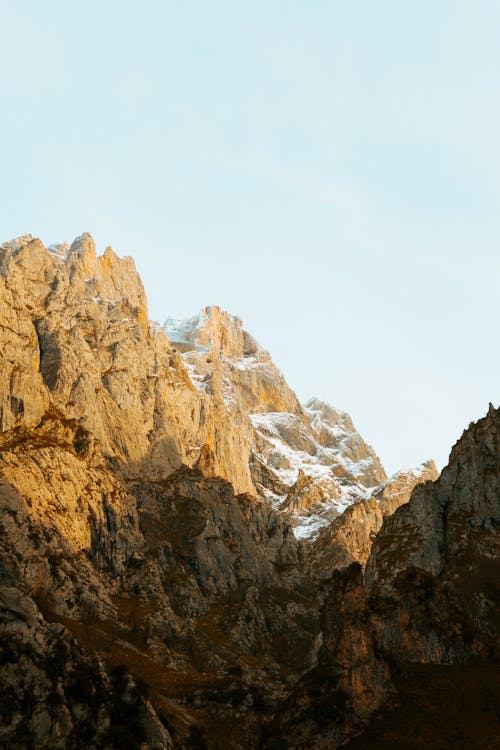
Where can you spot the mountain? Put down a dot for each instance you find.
(190, 558)
(349, 537)
(309, 461)
(410, 652)
(197, 392)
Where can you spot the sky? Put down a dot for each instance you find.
(329, 171)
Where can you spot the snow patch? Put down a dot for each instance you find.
(59, 250)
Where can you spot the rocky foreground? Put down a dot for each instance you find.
(190, 558)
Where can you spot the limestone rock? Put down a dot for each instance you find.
(334, 429)
(444, 542)
(432, 579)
(171, 582)
(53, 696)
(310, 462)
(416, 644)
(76, 337)
(349, 537)
(456, 516)
(153, 592)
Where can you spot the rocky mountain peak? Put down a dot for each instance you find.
(214, 332)
(205, 395)
(190, 558)
(443, 520)
(82, 245)
(325, 414)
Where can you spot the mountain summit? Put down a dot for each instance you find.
(197, 392)
(191, 559)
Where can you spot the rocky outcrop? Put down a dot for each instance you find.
(335, 700)
(444, 548)
(153, 592)
(76, 335)
(193, 599)
(309, 461)
(54, 695)
(349, 537)
(418, 641)
(434, 603)
(335, 430)
(200, 392)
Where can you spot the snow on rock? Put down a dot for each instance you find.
(183, 331)
(349, 537)
(17, 243)
(59, 250)
(152, 393)
(335, 430)
(317, 483)
(308, 461)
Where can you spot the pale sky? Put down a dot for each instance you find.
(329, 171)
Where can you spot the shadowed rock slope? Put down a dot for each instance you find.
(349, 537)
(191, 597)
(153, 591)
(172, 613)
(410, 656)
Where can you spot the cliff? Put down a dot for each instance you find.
(200, 392)
(182, 542)
(410, 653)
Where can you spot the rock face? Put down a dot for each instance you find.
(199, 392)
(349, 537)
(76, 335)
(416, 645)
(309, 461)
(433, 586)
(54, 695)
(451, 541)
(157, 491)
(188, 595)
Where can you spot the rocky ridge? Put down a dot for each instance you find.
(308, 460)
(153, 592)
(410, 651)
(349, 537)
(76, 335)
(199, 392)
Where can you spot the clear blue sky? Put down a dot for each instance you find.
(328, 170)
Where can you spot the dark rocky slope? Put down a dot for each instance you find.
(192, 598)
(148, 603)
(410, 656)
(176, 614)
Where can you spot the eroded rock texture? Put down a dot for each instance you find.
(199, 392)
(159, 491)
(349, 537)
(308, 461)
(178, 586)
(415, 647)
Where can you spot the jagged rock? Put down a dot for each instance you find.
(178, 582)
(419, 641)
(445, 544)
(349, 537)
(76, 336)
(54, 696)
(335, 429)
(310, 462)
(333, 701)
(153, 597)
